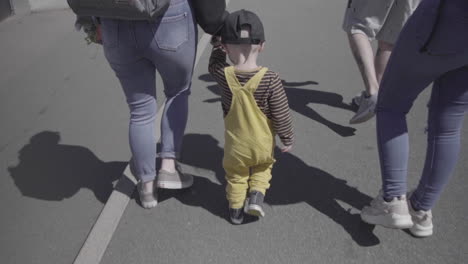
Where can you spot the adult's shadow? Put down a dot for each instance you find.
(299, 100)
(51, 171)
(204, 154)
(294, 182)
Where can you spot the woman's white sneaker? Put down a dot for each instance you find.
(422, 222)
(393, 214)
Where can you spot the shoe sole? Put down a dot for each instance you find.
(149, 205)
(174, 185)
(395, 221)
(421, 231)
(255, 210)
(237, 221)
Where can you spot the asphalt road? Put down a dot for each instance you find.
(64, 143)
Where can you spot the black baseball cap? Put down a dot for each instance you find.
(231, 32)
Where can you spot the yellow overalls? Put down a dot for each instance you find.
(249, 141)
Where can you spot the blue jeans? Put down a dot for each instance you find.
(135, 50)
(409, 72)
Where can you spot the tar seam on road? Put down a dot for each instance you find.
(101, 234)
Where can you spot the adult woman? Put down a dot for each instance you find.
(433, 46)
(135, 50)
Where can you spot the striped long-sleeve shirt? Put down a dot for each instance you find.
(270, 95)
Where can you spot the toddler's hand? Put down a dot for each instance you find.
(286, 149)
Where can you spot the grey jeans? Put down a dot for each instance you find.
(135, 50)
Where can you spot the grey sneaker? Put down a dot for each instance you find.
(254, 204)
(147, 199)
(393, 214)
(174, 180)
(366, 109)
(422, 222)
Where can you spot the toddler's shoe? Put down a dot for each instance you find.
(254, 204)
(236, 215)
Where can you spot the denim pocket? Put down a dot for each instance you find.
(172, 32)
(110, 33)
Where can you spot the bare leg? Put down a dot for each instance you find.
(384, 51)
(147, 186)
(168, 165)
(364, 56)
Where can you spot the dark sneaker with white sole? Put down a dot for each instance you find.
(174, 180)
(254, 204)
(236, 215)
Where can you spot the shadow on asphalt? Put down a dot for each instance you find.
(51, 171)
(293, 182)
(299, 100)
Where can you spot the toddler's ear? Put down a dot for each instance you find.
(262, 46)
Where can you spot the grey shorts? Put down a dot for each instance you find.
(378, 19)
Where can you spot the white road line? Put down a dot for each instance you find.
(204, 41)
(101, 234)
